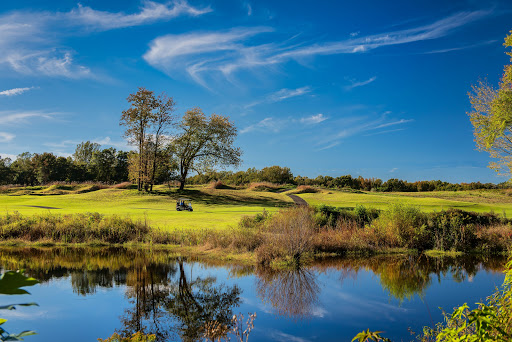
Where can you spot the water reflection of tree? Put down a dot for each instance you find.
(292, 292)
(404, 276)
(86, 282)
(196, 302)
(171, 304)
(147, 289)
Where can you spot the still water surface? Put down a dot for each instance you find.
(84, 294)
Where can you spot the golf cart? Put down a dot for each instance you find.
(184, 204)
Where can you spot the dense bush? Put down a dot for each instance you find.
(408, 227)
(289, 233)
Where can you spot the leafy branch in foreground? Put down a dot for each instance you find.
(492, 118)
(370, 336)
(11, 283)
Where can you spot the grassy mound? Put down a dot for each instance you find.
(263, 186)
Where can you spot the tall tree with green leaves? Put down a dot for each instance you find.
(147, 121)
(491, 117)
(6, 174)
(24, 169)
(84, 152)
(204, 142)
(137, 120)
(105, 162)
(162, 121)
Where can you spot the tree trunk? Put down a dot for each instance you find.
(154, 163)
(183, 178)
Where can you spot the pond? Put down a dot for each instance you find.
(85, 294)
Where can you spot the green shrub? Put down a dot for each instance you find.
(289, 233)
(401, 226)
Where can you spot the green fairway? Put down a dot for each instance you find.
(215, 208)
(212, 208)
(499, 201)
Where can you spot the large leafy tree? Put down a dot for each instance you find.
(147, 121)
(492, 118)
(162, 121)
(105, 163)
(138, 119)
(45, 167)
(204, 143)
(5, 171)
(84, 152)
(24, 169)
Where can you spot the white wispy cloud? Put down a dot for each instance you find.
(362, 125)
(471, 46)
(27, 42)
(313, 119)
(62, 66)
(385, 132)
(281, 95)
(248, 7)
(31, 42)
(14, 91)
(204, 55)
(267, 124)
(393, 123)
(437, 29)
(6, 137)
(150, 12)
(287, 93)
(355, 84)
(9, 117)
(275, 125)
(197, 53)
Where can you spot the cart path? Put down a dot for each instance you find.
(296, 199)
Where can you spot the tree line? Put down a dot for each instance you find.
(283, 175)
(106, 166)
(166, 149)
(91, 163)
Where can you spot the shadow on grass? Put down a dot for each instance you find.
(206, 198)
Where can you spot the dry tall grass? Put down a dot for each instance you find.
(289, 233)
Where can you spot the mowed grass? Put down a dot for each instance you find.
(213, 208)
(498, 201)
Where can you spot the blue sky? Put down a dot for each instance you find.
(371, 88)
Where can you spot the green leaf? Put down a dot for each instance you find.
(13, 306)
(19, 337)
(11, 283)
